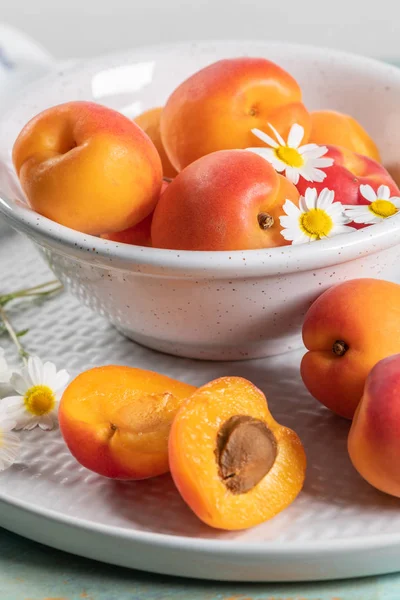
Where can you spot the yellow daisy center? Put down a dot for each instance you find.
(316, 223)
(39, 400)
(290, 156)
(382, 208)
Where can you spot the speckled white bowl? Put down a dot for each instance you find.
(210, 305)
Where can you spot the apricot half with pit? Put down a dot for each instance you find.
(233, 464)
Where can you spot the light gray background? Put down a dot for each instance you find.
(72, 28)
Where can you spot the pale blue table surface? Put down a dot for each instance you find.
(30, 571)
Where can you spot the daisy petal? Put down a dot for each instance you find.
(9, 449)
(20, 383)
(323, 163)
(325, 198)
(295, 136)
(383, 192)
(313, 151)
(36, 370)
(310, 198)
(46, 422)
(318, 175)
(291, 209)
(60, 380)
(49, 374)
(368, 193)
(302, 239)
(292, 174)
(264, 137)
(277, 135)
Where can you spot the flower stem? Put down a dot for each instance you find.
(13, 335)
(32, 291)
(37, 291)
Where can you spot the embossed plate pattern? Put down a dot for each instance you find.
(338, 527)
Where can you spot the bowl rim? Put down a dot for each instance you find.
(234, 263)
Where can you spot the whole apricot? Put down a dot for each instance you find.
(374, 440)
(348, 172)
(140, 234)
(337, 129)
(227, 200)
(88, 167)
(149, 121)
(347, 330)
(217, 107)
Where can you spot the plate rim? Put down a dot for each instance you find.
(230, 547)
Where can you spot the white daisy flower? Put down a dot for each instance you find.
(40, 387)
(289, 157)
(316, 217)
(9, 442)
(381, 206)
(5, 371)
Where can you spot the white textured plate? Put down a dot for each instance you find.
(338, 527)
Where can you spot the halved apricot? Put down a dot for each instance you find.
(116, 420)
(233, 464)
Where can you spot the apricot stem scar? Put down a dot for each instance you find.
(245, 452)
(265, 221)
(339, 348)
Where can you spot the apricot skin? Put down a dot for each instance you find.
(149, 121)
(374, 439)
(193, 461)
(349, 171)
(217, 107)
(338, 129)
(116, 420)
(214, 203)
(363, 313)
(88, 167)
(138, 235)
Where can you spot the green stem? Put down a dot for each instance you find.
(13, 335)
(32, 291)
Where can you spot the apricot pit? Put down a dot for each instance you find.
(245, 452)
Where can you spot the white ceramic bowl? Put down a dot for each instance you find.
(210, 305)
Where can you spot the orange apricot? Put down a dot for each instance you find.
(347, 330)
(116, 420)
(233, 464)
(138, 235)
(374, 441)
(227, 200)
(217, 107)
(149, 121)
(88, 167)
(337, 129)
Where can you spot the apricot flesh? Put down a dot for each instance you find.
(374, 441)
(347, 330)
(116, 420)
(233, 464)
